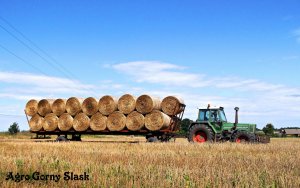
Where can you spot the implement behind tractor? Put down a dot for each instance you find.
(212, 126)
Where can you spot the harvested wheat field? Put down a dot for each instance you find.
(174, 164)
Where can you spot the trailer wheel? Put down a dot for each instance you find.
(152, 139)
(76, 137)
(200, 133)
(61, 139)
(244, 137)
(164, 138)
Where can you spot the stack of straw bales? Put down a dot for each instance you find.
(107, 113)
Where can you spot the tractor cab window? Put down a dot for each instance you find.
(214, 116)
(204, 115)
(222, 115)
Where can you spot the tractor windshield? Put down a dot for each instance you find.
(214, 115)
(222, 115)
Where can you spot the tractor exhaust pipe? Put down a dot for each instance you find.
(236, 115)
(236, 118)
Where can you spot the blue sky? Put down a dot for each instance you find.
(228, 53)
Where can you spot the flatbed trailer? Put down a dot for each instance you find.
(151, 136)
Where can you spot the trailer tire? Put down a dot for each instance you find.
(200, 133)
(244, 137)
(76, 137)
(61, 139)
(164, 138)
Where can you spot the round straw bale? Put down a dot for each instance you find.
(107, 105)
(36, 123)
(81, 122)
(126, 103)
(31, 107)
(98, 122)
(65, 122)
(135, 121)
(73, 105)
(51, 122)
(44, 106)
(157, 120)
(90, 106)
(59, 107)
(145, 104)
(171, 105)
(116, 121)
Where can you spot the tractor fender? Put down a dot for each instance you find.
(192, 124)
(204, 123)
(197, 123)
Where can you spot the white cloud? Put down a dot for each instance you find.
(248, 84)
(23, 86)
(169, 74)
(290, 57)
(157, 72)
(41, 80)
(20, 96)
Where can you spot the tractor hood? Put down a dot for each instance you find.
(240, 126)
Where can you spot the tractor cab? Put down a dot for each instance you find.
(215, 114)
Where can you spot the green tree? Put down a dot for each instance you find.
(269, 129)
(184, 124)
(14, 128)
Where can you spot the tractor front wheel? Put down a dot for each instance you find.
(200, 133)
(244, 137)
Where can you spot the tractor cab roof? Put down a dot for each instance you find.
(212, 107)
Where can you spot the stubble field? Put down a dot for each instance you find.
(139, 164)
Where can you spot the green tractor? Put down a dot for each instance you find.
(212, 126)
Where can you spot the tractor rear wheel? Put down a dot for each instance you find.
(200, 133)
(244, 137)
